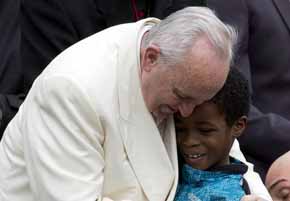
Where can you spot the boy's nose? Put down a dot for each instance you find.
(191, 141)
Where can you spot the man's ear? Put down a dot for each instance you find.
(150, 57)
(239, 126)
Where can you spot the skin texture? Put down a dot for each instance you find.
(206, 135)
(169, 89)
(278, 178)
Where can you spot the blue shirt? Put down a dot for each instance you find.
(198, 185)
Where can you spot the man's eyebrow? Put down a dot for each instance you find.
(180, 94)
(276, 182)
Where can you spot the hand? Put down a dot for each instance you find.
(252, 198)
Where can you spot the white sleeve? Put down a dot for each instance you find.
(63, 140)
(255, 182)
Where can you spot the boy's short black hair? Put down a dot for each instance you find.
(234, 98)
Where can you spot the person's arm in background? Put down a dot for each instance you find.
(266, 134)
(267, 137)
(10, 68)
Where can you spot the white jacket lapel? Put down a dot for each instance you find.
(142, 141)
(147, 154)
(169, 140)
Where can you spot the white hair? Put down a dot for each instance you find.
(177, 34)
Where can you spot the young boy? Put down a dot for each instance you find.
(204, 141)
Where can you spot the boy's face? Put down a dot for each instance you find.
(204, 139)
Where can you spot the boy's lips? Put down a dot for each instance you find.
(194, 156)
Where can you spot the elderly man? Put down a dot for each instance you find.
(97, 122)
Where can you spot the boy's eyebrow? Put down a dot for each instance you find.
(178, 122)
(205, 123)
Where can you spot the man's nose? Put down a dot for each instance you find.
(186, 108)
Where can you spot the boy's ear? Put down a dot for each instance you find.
(239, 126)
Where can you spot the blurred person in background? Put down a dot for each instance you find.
(278, 178)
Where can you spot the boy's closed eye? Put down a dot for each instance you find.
(206, 131)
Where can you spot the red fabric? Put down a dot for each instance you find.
(138, 14)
